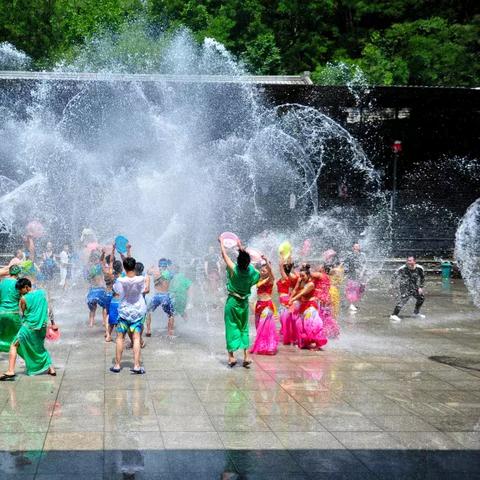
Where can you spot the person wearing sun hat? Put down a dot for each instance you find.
(10, 321)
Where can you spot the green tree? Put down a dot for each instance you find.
(424, 52)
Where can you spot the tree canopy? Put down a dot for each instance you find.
(416, 42)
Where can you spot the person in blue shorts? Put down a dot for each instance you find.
(96, 295)
(162, 298)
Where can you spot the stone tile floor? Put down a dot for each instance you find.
(373, 404)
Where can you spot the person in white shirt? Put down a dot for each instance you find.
(64, 259)
(131, 314)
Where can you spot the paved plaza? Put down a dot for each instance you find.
(383, 401)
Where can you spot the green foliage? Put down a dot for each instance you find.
(393, 41)
(424, 52)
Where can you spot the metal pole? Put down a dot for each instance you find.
(394, 189)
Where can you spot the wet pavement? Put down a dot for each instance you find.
(383, 401)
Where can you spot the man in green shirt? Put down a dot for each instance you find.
(9, 314)
(241, 277)
(29, 341)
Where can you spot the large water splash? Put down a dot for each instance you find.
(172, 164)
(467, 250)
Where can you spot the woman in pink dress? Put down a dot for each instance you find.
(310, 333)
(285, 285)
(266, 341)
(322, 284)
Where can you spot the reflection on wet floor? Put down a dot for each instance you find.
(383, 401)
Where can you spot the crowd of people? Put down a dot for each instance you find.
(297, 305)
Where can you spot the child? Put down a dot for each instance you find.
(96, 293)
(161, 281)
(29, 342)
(131, 314)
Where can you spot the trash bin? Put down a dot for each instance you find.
(446, 268)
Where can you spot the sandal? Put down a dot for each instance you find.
(148, 334)
(232, 364)
(115, 370)
(139, 371)
(52, 374)
(6, 378)
(247, 363)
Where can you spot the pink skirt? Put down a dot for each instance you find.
(266, 341)
(354, 291)
(310, 329)
(330, 325)
(288, 328)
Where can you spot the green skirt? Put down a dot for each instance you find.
(236, 323)
(32, 349)
(10, 324)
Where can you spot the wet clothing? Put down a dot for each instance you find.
(113, 311)
(130, 292)
(125, 326)
(354, 265)
(239, 285)
(164, 300)
(10, 321)
(408, 281)
(96, 296)
(179, 292)
(31, 336)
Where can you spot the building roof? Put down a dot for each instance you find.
(303, 79)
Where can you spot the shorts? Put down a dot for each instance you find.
(107, 299)
(96, 296)
(163, 300)
(125, 326)
(113, 311)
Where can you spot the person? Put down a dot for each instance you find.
(179, 288)
(64, 260)
(18, 258)
(131, 313)
(336, 280)
(310, 333)
(285, 285)
(241, 277)
(96, 295)
(266, 340)
(161, 282)
(112, 269)
(409, 281)
(10, 322)
(48, 265)
(29, 341)
(355, 265)
(321, 281)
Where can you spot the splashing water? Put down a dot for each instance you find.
(172, 164)
(467, 250)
